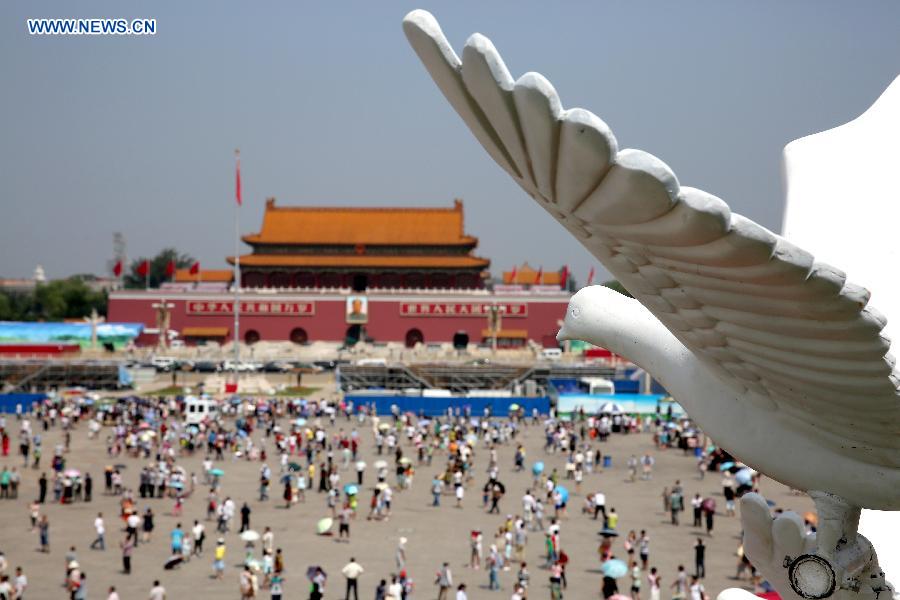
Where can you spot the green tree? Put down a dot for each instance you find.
(615, 285)
(65, 299)
(158, 266)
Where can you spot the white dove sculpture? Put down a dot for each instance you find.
(775, 355)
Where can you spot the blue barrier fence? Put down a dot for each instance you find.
(8, 402)
(432, 407)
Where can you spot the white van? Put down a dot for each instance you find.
(197, 409)
(551, 354)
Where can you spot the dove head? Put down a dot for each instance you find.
(596, 314)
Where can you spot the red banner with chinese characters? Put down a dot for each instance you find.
(269, 308)
(461, 309)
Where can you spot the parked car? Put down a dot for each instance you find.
(164, 364)
(207, 366)
(241, 367)
(276, 366)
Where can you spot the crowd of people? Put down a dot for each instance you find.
(312, 449)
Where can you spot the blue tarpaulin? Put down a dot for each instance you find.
(8, 402)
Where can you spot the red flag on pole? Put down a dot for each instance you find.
(170, 268)
(117, 268)
(564, 277)
(540, 276)
(514, 275)
(143, 269)
(195, 268)
(590, 278)
(237, 178)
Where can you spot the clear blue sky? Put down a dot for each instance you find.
(330, 106)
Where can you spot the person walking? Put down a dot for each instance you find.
(42, 488)
(709, 510)
(676, 505)
(697, 505)
(444, 582)
(655, 582)
(177, 537)
(99, 542)
(44, 533)
(680, 585)
(219, 559)
(699, 559)
(20, 584)
(644, 549)
(461, 592)
(344, 521)
(127, 550)
(352, 570)
(198, 532)
(245, 518)
(157, 592)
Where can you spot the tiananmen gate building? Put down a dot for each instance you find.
(405, 275)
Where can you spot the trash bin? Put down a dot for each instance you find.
(607, 461)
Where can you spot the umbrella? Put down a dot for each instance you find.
(324, 525)
(294, 467)
(360, 465)
(384, 426)
(726, 465)
(300, 422)
(608, 533)
(380, 464)
(405, 460)
(311, 572)
(173, 562)
(120, 467)
(144, 425)
(216, 472)
(563, 493)
(176, 484)
(537, 468)
(254, 564)
(514, 407)
(350, 489)
(250, 536)
(72, 473)
(614, 568)
(709, 505)
(743, 477)
(811, 517)
(381, 486)
(613, 408)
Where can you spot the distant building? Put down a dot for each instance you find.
(405, 275)
(362, 248)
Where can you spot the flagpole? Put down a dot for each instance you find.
(237, 263)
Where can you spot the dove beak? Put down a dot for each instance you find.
(563, 334)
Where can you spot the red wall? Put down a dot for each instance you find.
(328, 323)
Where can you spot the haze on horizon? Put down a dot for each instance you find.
(330, 106)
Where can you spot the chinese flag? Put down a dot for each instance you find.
(514, 274)
(564, 277)
(144, 268)
(540, 276)
(237, 176)
(591, 276)
(195, 268)
(170, 268)
(117, 268)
